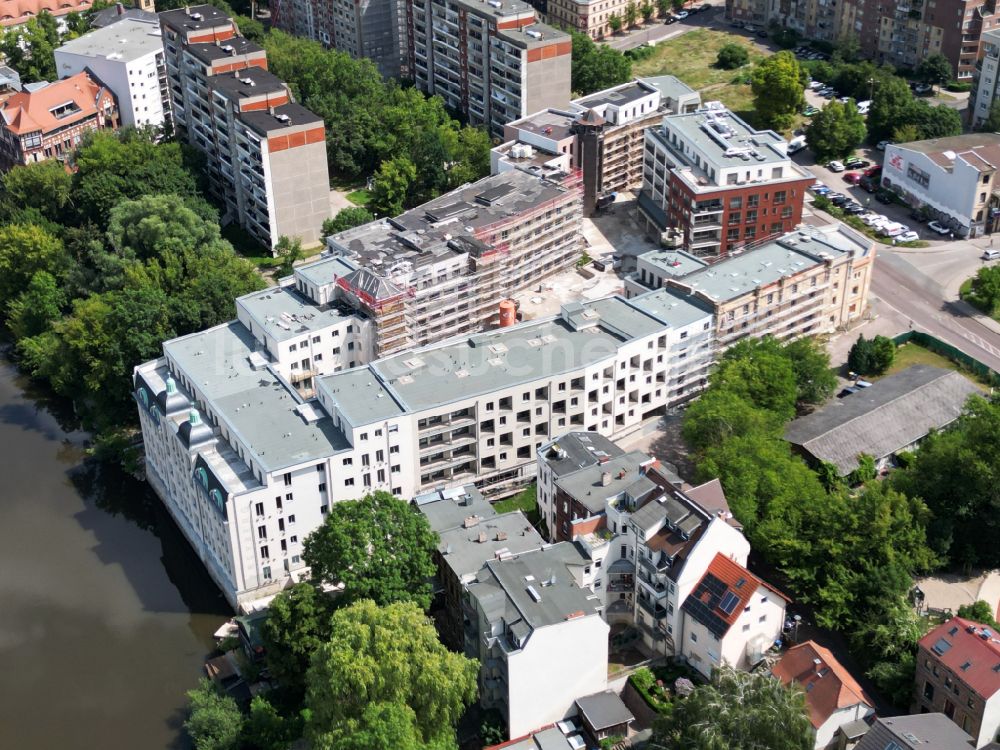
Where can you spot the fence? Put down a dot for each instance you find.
(956, 355)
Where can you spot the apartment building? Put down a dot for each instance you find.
(374, 29)
(955, 177)
(491, 60)
(18, 12)
(721, 184)
(265, 154)
(48, 120)
(600, 134)
(441, 269)
(958, 674)
(127, 57)
(590, 17)
(815, 280)
(538, 633)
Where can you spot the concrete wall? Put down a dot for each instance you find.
(300, 186)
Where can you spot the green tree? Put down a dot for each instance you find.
(678, 5)
(957, 473)
(378, 547)
(778, 83)
(985, 290)
(883, 354)
(381, 725)
(615, 24)
(631, 14)
(386, 655)
(979, 611)
(24, 251)
(720, 414)
(391, 186)
(866, 471)
(290, 251)
(992, 123)
(597, 67)
(663, 8)
(298, 622)
(732, 56)
(266, 729)
(905, 133)
(894, 678)
(836, 130)
(346, 218)
(891, 106)
(936, 122)
(30, 48)
(35, 309)
(815, 381)
(215, 721)
(861, 357)
(45, 186)
(251, 28)
(935, 69)
(738, 711)
(646, 10)
(760, 371)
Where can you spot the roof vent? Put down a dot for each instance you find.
(533, 593)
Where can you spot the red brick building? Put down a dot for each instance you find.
(49, 122)
(717, 185)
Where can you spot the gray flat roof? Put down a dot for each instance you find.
(263, 122)
(449, 508)
(257, 406)
(182, 18)
(485, 362)
(670, 87)
(126, 40)
(790, 254)
(522, 38)
(326, 271)
(466, 550)
(551, 123)
(933, 730)
(582, 449)
(671, 307)
(604, 710)
(248, 82)
(716, 132)
(586, 487)
(208, 52)
(267, 306)
(673, 262)
(617, 96)
(892, 414)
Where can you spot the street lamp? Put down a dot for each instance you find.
(795, 634)
(871, 88)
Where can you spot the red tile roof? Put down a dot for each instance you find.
(29, 111)
(829, 687)
(970, 650)
(723, 577)
(17, 12)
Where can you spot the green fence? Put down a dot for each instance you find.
(957, 356)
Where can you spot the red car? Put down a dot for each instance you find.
(852, 177)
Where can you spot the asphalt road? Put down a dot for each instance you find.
(658, 31)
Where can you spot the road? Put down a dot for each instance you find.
(658, 31)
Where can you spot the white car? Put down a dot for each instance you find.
(681, 15)
(863, 108)
(938, 227)
(816, 85)
(990, 254)
(835, 166)
(905, 237)
(880, 146)
(893, 229)
(873, 220)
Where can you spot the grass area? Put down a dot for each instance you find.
(359, 197)
(691, 57)
(524, 501)
(910, 354)
(246, 246)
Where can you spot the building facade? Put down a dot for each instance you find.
(958, 674)
(590, 17)
(18, 12)
(719, 183)
(373, 29)
(127, 57)
(49, 121)
(265, 154)
(613, 121)
(953, 177)
(490, 60)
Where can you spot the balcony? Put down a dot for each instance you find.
(658, 612)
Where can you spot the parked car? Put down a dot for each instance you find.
(854, 209)
(828, 94)
(938, 227)
(670, 20)
(905, 237)
(750, 27)
(856, 163)
(874, 220)
(838, 199)
(880, 146)
(847, 391)
(990, 254)
(810, 111)
(704, 8)
(852, 177)
(883, 196)
(762, 33)
(922, 89)
(835, 166)
(818, 186)
(816, 85)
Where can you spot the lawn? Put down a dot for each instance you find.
(913, 354)
(691, 57)
(523, 501)
(359, 197)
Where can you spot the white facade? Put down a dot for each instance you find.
(127, 57)
(826, 733)
(984, 91)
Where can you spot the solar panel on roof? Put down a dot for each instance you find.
(729, 602)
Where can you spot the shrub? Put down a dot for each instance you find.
(732, 56)
(958, 86)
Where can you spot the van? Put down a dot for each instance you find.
(796, 144)
(990, 255)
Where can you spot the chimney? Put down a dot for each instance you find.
(605, 478)
(482, 537)
(471, 521)
(621, 474)
(119, 9)
(501, 536)
(818, 664)
(271, 109)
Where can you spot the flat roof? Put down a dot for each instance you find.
(126, 40)
(618, 96)
(184, 18)
(466, 550)
(285, 116)
(286, 313)
(257, 406)
(672, 308)
(449, 508)
(361, 397)
(586, 487)
(785, 256)
(210, 52)
(326, 271)
(980, 150)
(485, 362)
(670, 87)
(532, 35)
(551, 123)
(721, 137)
(673, 262)
(252, 81)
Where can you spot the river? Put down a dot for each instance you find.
(106, 614)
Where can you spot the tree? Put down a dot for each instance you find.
(732, 56)
(24, 251)
(992, 123)
(883, 354)
(615, 24)
(631, 13)
(298, 622)
(45, 186)
(678, 4)
(389, 658)
(866, 471)
(760, 371)
(720, 414)
(979, 611)
(957, 473)
(936, 122)
(35, 309)
(646, 10)
(815, 381)
(985, 290)
(778, 83)
(891, 105)
(251, 28)
(597, 67)
(346, 218)
(738, 711)
(861, 357)
(215, 721)
(836, 130)
(378, 547)
(905, 133)
(290, 252)
(935, 69)
(391, 186)
(663, 8)
(266, 729)
(30, 48)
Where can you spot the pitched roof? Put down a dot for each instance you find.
(916, 732)
(17, 12)
(52, 106)
(604, 710)
(829, 687)
(722, 593)
(968, 649)
(893, 413)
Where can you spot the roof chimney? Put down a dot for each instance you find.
(818, 664)
(482, 537)
(605, 478)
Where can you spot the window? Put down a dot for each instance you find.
(348, 461)
(288, 497)
(259, 509)
(288, 480)
(364, 436)
(762, 618)
(322, 486)
(380, 456)
(266, 571)
(264, 553)
(366, 480)
(349, 482)
(736, 202)
(694, 638)
(262, 532)
(365, 460)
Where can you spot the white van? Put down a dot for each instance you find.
(990, 254)
(796, 144)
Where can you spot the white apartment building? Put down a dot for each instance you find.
(986, 79)
(488, 59)
(127, 57)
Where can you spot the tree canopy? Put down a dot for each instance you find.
(738, 711)
(836, 130)
(384, 674)
(378, 547)
(778, 83)
(347, 218)
(871, 356)
(732, 56)
(215, 721)
(298, 622)
(935, 69)
(597, 67)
